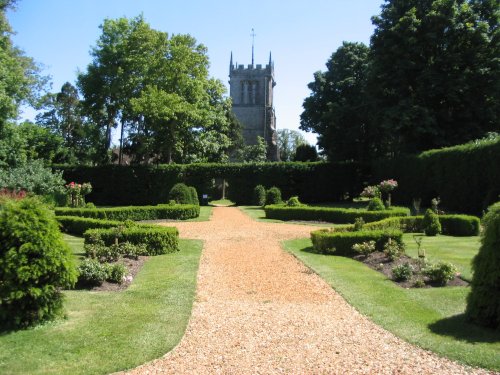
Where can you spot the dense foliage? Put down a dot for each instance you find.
(35, 264)
(429, 79)
(331, 214)
(483, 303)
(327, 241)
(135, 213)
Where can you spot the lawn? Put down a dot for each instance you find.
(456, 250)
(110, 331)
(431, 318)
(205, 213)
(257, 213)
(222, 202)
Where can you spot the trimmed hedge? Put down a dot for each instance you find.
(135, 213)
(452, 225)
(144, 185)
(464, 177)
(326, 240)
(158, 240)
(331, 214)
(77, 225)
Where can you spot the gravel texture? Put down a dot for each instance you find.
(258, 310)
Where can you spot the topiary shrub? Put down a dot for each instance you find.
(194, 196)
(376, 204)
(294, 202)
(259, 195)
(483, 302)
(431, 224)
(273, 196)
(35, 264)
(180, 193)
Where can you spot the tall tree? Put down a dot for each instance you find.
(338, 108)
(435, 72)
(288, 141)
(20, 80)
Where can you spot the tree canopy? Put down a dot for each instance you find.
(429, 79)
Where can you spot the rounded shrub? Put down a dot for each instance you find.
(273, 196)
(194, 195)
(376, 204)
(483, 307)
(402, 272)
(92, 273)
(35, 263)
(431, 224)
(259, 195)
(116, 273)
(294, 202)
(180, 193)
(440, 273)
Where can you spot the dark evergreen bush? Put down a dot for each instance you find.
(431, 224)
(194, 196)
(483, 303)
(35, 264)
(77, 225)
(259, 195)
(181, 194)
(273, 196)
(376, 204)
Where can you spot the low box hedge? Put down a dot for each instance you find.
(326, 241)
(331, 214)
(77, 225)
(158, 240)
(135, 213)
(451, 225)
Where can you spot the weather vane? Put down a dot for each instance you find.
(253, 40)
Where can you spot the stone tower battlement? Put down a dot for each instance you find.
(251, 90)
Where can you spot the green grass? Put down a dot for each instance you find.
(76, 246)
(110, 331)
(222, 202)
(431, 318)
(456, 250)
(258, 214)
(205, 213)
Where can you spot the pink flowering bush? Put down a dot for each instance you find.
(388, 185)
(76, 193)
(370, 192)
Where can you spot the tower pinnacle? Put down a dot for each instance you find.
(253, 40)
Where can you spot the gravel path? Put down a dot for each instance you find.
(258, 310)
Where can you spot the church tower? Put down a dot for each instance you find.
(251, 89)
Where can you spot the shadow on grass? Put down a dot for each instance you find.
(458, 327)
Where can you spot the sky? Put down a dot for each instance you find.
(301, 35)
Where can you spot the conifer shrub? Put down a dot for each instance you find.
(181, 194)
(376, 204)
(35, 264)
(194, 196)
(273, 196)
(483, 302)
(431, 224)
(259, 195)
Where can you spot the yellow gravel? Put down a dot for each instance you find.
(260, 311)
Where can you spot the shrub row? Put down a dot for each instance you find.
(77, 225)
(464, 176)
(326, 241)
(158, 240)
(135, 213)
(331, 214)
(452, 225)
(142, 185)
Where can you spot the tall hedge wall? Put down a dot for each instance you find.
(465, 177)
(145, 185)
